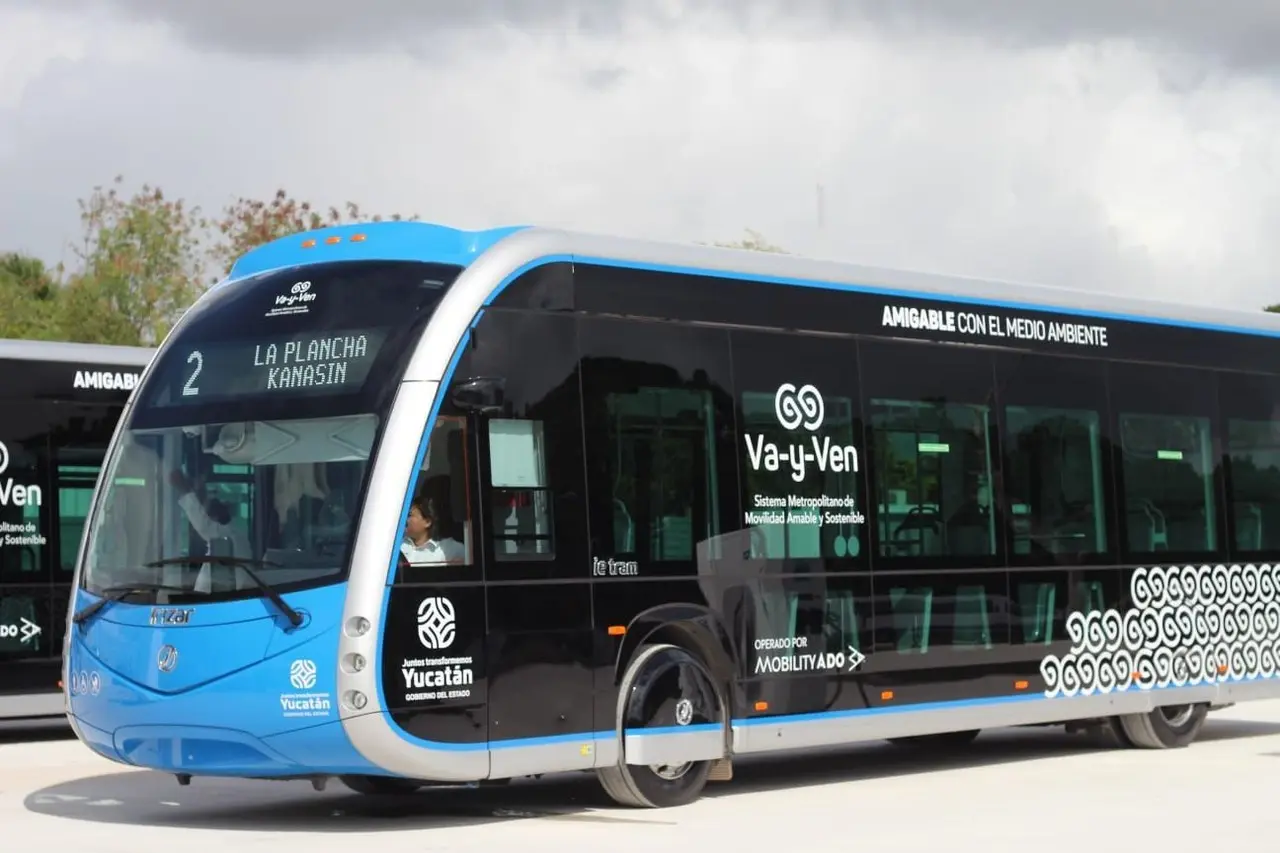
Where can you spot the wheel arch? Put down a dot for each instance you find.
(689, 626)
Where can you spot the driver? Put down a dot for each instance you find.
(213, 522)
(419, 545)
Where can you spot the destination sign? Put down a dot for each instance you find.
(322, 363)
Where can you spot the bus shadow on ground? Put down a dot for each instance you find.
(146, 798)
(23, 731)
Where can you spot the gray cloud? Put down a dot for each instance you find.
(290, 27)
(1231, 33)
(1097, 164)
(1237, 33)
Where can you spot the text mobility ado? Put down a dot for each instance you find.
(786, 657)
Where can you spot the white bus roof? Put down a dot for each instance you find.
(74, 353)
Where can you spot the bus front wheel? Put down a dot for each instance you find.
(666, 689)
(655, 786)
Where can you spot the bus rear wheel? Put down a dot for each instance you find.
(376, 786)
(1169, 727)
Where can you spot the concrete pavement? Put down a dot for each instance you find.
(1011, 789)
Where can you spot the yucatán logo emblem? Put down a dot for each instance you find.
(796, 408)
(436, 623)
(302, 674)
(306, 702)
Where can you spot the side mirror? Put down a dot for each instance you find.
(486, 395)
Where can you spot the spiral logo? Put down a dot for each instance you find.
(302, 674)
(4, 457)
(1187, 625)
(799, 407)
(300, 287)
(436, 625)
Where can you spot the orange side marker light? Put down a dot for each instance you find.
(617, 630)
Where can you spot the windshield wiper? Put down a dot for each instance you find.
(119, 593)
(243, 563)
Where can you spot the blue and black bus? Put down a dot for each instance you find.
(400, 504)
(59, 404)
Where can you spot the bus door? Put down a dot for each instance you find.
(539, 648)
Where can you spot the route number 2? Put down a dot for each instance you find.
(190, 389)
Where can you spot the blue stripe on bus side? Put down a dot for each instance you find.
(793, 719)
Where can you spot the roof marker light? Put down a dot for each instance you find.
(331, 240)
(308, 244)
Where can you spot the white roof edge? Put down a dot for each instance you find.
(75, 353)
(584, 246)
(477, 282)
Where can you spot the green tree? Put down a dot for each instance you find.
(29, 299)
(141, 266)
(143, 259)
(249, 223)
(1274, 309)
(753, 241)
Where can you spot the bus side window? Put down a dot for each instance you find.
(1250, 407)
(442, 488)
(934, 455)
(520, 498)
(1168, 462)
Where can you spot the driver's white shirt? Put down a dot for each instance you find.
(432, 551)
(208, 529)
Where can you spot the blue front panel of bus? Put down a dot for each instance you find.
(229, 692)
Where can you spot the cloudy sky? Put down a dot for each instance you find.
(1125, 145)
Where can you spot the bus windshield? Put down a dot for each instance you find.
(244, 458)
(280, 495)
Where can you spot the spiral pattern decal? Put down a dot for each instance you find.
(1188, 625)
(798, 407)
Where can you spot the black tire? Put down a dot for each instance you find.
(380, 786)
(654, 787)
(942, 740)
(1169, 727)
(646, 693)
(1121, 736)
